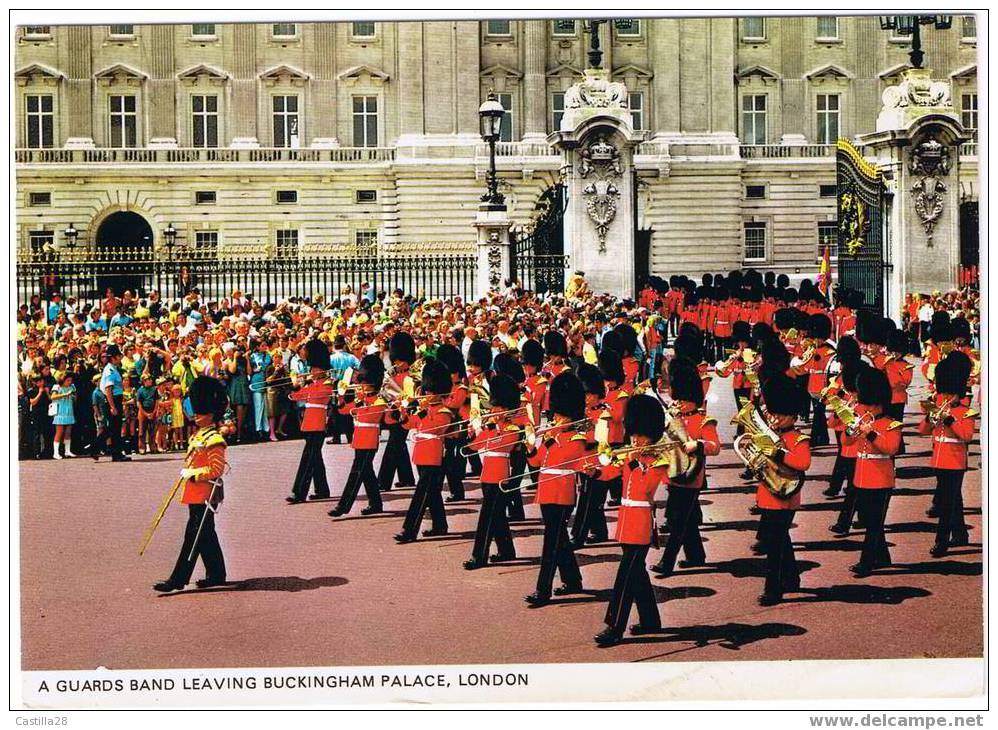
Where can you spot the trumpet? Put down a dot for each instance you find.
(858, 425)
(935, 413)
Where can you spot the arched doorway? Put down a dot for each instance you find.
(124, 248)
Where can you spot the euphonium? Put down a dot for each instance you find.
(683, 467)
(756, 447)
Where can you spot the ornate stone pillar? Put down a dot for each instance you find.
(917, 147)
(597, 145)
(493, 249)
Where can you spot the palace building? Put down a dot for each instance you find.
(293, 139)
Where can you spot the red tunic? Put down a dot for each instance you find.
(429, 425)
(634, 518)
(797, 448)
(949, 443)
(616, 400)
(366, 411)
(536, 388)
(206, 454)
(494, 444)
(899, 374)
(875, 457)
(559, 457)
(316, 396)
(816, 367)
(700, 427)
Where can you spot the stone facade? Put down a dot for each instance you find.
(382, 137)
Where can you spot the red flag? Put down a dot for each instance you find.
(825, 273)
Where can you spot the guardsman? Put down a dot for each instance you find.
(879, 438)
(617, 394)
(843, 385)
(494, 443)
(367, 409)
(316, 396)
(736, 364)
(430, 420)
(629, 344)
(458, 400)
(479, 370)
(960, 330)
(402, 353)
(643, 473)
(535, 384)
(951, 423)
(202, 489)
(683, 512)
(819, 357)
(781, 397)
(589, 525)
(505, 364)
(939, 344)
(558, 453)
(899, 373)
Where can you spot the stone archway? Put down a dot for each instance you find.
(122, 231)
(124, 244)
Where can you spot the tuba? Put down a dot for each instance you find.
(756, 448)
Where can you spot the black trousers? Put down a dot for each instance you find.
(872, 505)
(361, 472)
(782, 573)
(556, 554)
(805, 412)
(951, 528)
(896, 411)
(631, 586)
(848, 510)
(396, 460)
(842, 471)
(428, 494)
(455, 465)
(492, 525)
(683, 515)
(114, 425)
(208, 548)
(590, 514)
(341, 426)
(819, 425)
(311, 468)
(475, 464)
(514, 495)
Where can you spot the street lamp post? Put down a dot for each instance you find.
(490, 115)
(905, 25)
(71, 234)
(170, 234)
(595, 53)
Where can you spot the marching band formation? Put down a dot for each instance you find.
(595, 404)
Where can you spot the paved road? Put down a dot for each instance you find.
(309, 591)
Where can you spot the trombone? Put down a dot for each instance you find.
(296, 380)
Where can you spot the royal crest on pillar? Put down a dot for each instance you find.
(601, 162)
(596, 91)
(931, 163)
(495, 260)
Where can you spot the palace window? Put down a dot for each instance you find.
(121, 31)
(636, 100)
(287, 196)
(205, 121)
(830, 190)
(828, 237)
(38, 241)
(968, 25)
(828, 118)
(286, 121)
(365, 121)
(968, 112)
(40, 121)
(286, 240)
(755, 192)
(37, 31)
(366, 196)
(284, 30)
(205, 197)
(754, 119)
(753, 29)
(36, 199)
(363, 29)
(203, 30)
(206, 244)
(755, 241)
(628, 28)
(123, 121)
(557, 110)
(828, 28)
(562, 27)
(498, 27)
(366, 242)
(506, 125)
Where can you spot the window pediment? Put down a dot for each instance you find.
(202, 73)
(757, 73)
(564, 69)
(631, 71)
(363, 73)
(284, 74)
(966, 75)
(120, 74)
(38, 73)
(497, 70)
(828, 72)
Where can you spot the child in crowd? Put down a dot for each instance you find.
(178, 432)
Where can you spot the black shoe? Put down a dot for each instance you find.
(293, 500)
(932, 512)
(839, 529)
(692, 563)
(792, 586)
(400, 485)
(758, 548)
(333, 442)
(769, 599)
(639, 630)
(536, 600)
(453, 498)
(369, 510)
(662, 570)
(831, 493)
(860, 570)
(402, 538)
(960, 542)
(595, 539)
(434, 533)
(122, 457)
(313, 497)
(337, 512)
(939, 551)
(747, 475)
(500, 558)
(613, 503)
(167, 586)
(473, 564)
(209, 582)
(567, 589)
(755, 510)
(607, 637)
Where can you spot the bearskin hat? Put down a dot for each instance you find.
(592, 379)
(208, 396)
(611, 366)
(644, 416)
(897, 342)
(436, 378)
(819, 326)
(867, 322)
(506, 364)
(952, 375)
(689, 346)
(452, 359)
(611, 341)
(960, 329)
(480, 355)
(554, 344)
(685, 382)
(741, 331)
(782, 281)
(941, 331)
(628, 337)
(532, 353)
(371, 371)
(761, 334)
(567, 396)
(784, 318)
(873, 387)
(769, 278)
(707, 279)
(688, 328)
(775, 360)
(782, 395)
(847, 350)
(317, 354)
(402, 348)
(503, 392)
(940, 315)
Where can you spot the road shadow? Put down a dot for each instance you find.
(910, 527)
(934, 567)
(913, 472)
(284, 584)
(820, 546)
(732, 636)
(358, 516)
(858, 593)
(735, 525)
(745, 567)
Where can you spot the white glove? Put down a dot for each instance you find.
(538, 440)
(188, 473)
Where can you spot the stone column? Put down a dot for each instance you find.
(410, 82)
(917, 147)
(493, 249)
(535, 101)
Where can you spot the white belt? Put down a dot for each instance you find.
(873, 456)
(315, 405)
(420, 436)
(634, 503)
(364, 424)
(558, 472)
(721, 321)
(496, 454)
(946, 440)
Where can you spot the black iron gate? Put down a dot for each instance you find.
(970, 245)
(642, 240)
(861, 225)
(538, 255)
